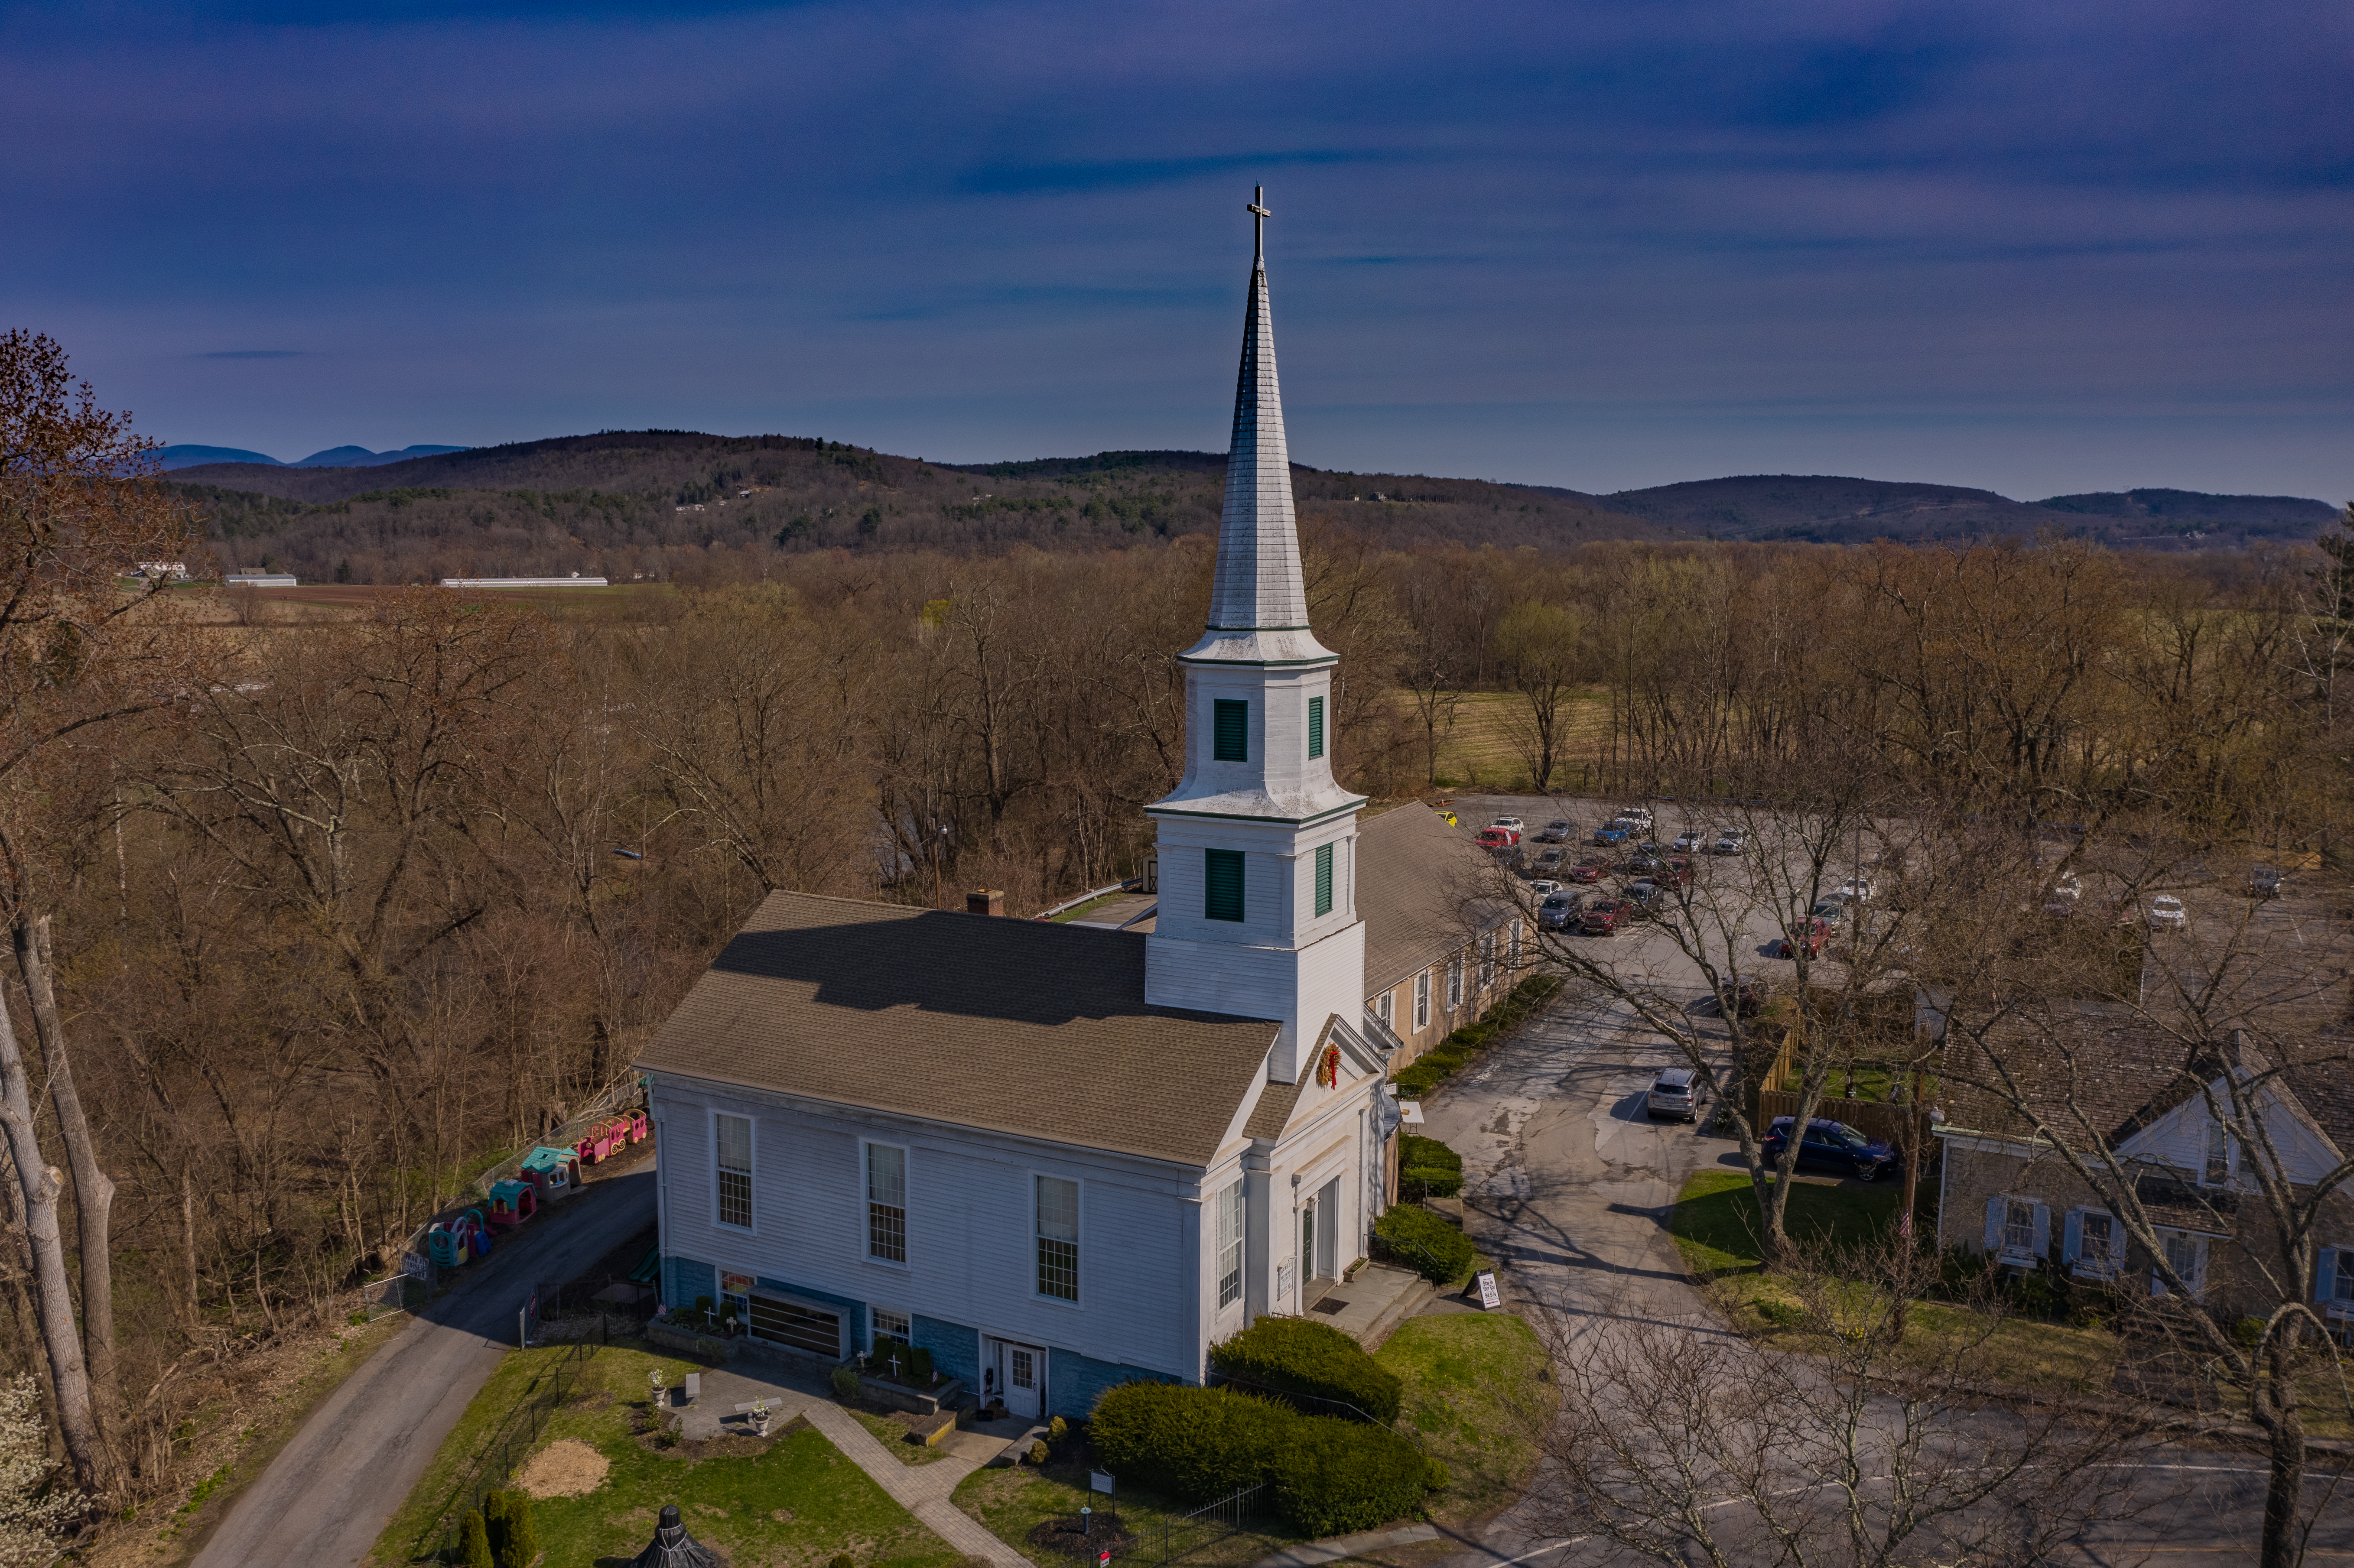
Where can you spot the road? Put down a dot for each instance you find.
(1568, 1186)
(329, 1493)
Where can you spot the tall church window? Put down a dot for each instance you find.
(1058, 1238)
(732, 1142)
(1230, 1245)
(1230, 731)
(886, 1202)
(1454, 982)
(1323, 879)
(1422, 1001)
(1222, 885)
(1315, 726)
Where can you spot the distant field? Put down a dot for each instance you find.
(1477, 751)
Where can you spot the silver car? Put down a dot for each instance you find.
(1677, 1093)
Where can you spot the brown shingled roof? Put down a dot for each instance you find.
(1021, 1026)
(1415, 876)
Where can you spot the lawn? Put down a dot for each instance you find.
(1011, 1503)
(792, 1501)
(894, 1436)
(1476, 1392)
(1715, 1228)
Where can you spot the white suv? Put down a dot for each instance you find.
(1677, 1093)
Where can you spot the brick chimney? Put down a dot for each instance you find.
(985, 901)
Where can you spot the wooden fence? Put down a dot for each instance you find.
(1891, 1124)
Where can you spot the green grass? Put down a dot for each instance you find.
(798, 1502)
(1009, 1503)
(894, 1436)
(1089, 908)
(1476, 1396)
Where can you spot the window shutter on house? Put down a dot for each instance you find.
(2072, 1238)
(1315, 726)
(1324, 879)
(2325, 1276)
(1222, 885)
(2042, 1243)
(1994, 1225)
(1230, 731)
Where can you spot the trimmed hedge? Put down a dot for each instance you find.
(1449, 1252)
(1198, 1442)
(1427, 1070)
(1331, 1475)
(1438, 1169)
(1334, 1476)
(1299, 1355)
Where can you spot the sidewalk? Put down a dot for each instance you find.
(922, 1489)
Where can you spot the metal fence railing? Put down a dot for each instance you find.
(516, 1436)
(1183, 1534)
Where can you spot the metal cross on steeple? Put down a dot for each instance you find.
(1259, 214)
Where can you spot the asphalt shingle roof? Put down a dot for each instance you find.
(1416, 879)
(1021, 1026)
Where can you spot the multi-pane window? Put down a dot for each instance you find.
(1487, 960)
(1454, 982)
(1229, 731)
(1315, 727)
(2018, 1226)
(886, 1202)
(2100, 1233)
(734, 1149)
(1513, 962)
(1422, 1001)
(1230, 1245)
(891, 1325)
(1058, 1238)
(1323, 879)
(1382, 1005)
(1222, 885)
(2218, 1154)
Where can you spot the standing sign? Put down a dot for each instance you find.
(1099, 1482)
(1489, 1296)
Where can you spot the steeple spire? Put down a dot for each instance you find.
(1258, 587)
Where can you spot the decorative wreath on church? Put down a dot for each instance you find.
(1328, 1066)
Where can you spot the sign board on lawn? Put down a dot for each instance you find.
(1489, 1296)
(1099, 1482)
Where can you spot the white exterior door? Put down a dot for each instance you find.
(1021, 1374)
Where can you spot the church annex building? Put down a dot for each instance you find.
(1062, 1158)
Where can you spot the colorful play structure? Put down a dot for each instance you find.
(513, 1203)
(609, 1137)
(546, 1174)
(554, 1173)
(454, 1244)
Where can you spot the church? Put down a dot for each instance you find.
(1061, 1158)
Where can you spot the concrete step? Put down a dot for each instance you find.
(1406, 1304)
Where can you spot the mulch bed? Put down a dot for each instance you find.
(1062, 1535)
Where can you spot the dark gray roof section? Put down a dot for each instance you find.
(1021, 1026)
(1416, 879)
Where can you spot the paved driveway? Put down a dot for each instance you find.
(329, 1493)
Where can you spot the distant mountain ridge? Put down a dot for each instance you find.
(174, 457)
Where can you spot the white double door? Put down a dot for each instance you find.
(1021, 1375)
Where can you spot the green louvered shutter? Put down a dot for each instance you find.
(1324, 879)
(1315, 726)
(1230, 733)
(1222, 885)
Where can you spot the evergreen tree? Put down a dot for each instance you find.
(474, 1538)
(496, 1525)
(521, 1546)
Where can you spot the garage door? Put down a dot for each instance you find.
(803, 1328)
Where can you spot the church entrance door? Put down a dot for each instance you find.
(1021, 1374)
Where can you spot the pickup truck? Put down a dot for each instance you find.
(1499, 840)
(1600, 920)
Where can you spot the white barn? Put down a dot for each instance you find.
(1061, 1158)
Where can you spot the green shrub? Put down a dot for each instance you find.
(1420, 1079)
(1198, 1442)
(1437, 1169)
(1415, 1150)
(914, 1364)
(1335, 1476)
(2250, 1331)
(474, 1542)
(845, 1383)
(518, 1545)
(1297, 1355)
(494, 1525)
(1058, 1429)
(1440, 1252)
(840, 1560)
(1782, 1314)
(1039, 1452)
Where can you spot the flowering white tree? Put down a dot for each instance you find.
(34, 1514)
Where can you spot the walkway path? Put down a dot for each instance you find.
(329, 1492)
(922, 1489)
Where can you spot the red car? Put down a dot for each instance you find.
(1814, 936)
(1600, 920)
(1498, 840)
(1585, 870)
(1678, 872)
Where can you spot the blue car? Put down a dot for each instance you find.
(1607, 835)
(1833, 1144)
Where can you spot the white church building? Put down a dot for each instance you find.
(1062, 1158)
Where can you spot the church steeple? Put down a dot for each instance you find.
(1258, 913)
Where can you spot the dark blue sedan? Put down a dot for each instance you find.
(1833, 1144)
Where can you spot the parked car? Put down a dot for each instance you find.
(1612, 833)
(1560, 830)
(1550, 861)
(1499, 840)
(1600, 918)
(1678, 872)
(1814, 936)
(2165, 914)
(1833, 1144)
(1729, 842)
(1447, 817)
(1556, 912)
(1511, 822)
(1587, 870)
(1690, 842)
(1829, 912)
(2061, 901)
(1676, 1093)
(1637, 814)
(1644, 894)
(2265, 881)
(1645, 865)
(1543, 888)
(1748, 997)
(1858, 888)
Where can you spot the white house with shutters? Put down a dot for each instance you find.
(1062, 1158)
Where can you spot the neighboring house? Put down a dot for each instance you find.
(1062, 1158)
(1440, 946)
(2099, 1071)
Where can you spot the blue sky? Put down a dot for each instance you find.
(2031, 247)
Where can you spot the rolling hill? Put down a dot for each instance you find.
(623, 504)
